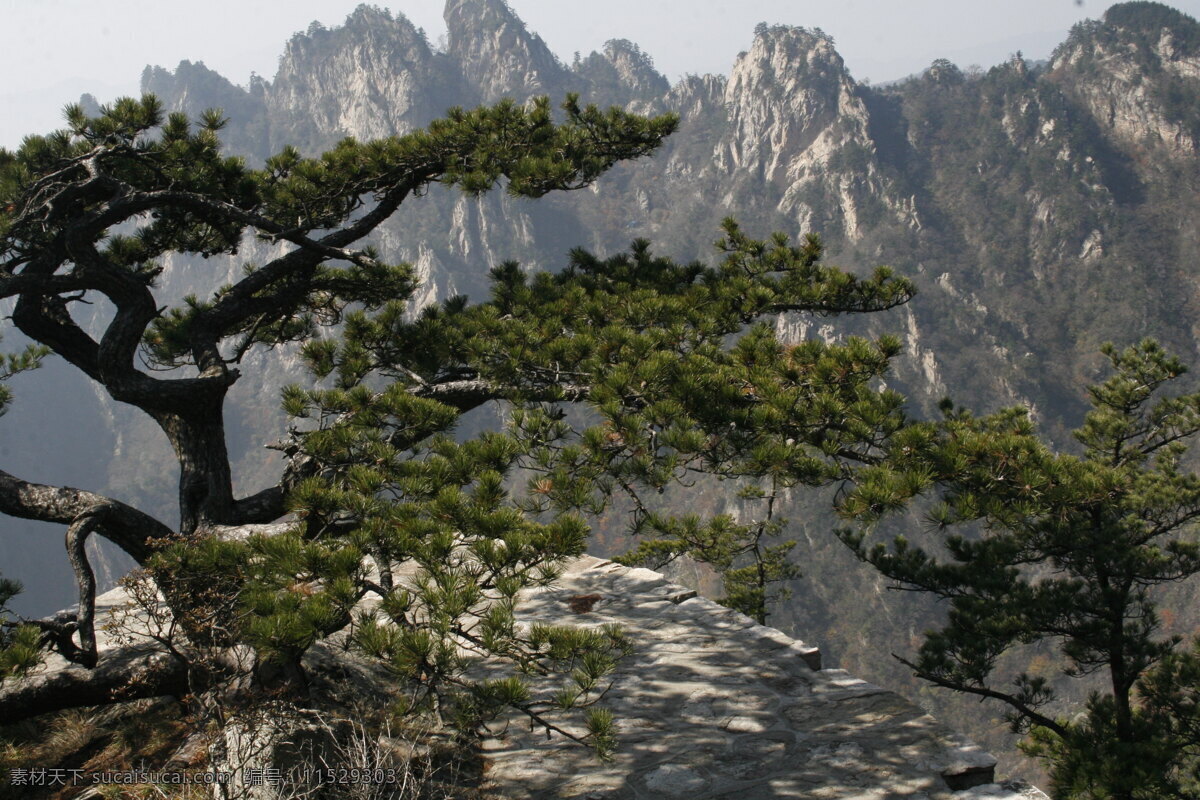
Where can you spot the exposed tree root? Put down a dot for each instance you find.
(125, 674)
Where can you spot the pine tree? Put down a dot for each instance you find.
(1042, 546)
(411, 539)
(90, 211)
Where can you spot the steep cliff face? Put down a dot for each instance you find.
(697, 96)
(1010, 192)
(1137, 73)
(797, 125)
(498, 55)
(374, 76)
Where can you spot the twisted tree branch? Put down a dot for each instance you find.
(123, 525)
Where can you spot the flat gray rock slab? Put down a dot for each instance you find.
(712, 705)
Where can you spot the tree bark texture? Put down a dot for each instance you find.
(122, 675)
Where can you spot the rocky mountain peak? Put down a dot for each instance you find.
(376, 75)
(367, 28)
(194, 88)
(1144, 32)
(793, 71)
(1158, 36)
(797, 49)
(635, 68)
(497, 54)
(367, 15)
(697, 95)
(187, 81)
(797, 120)
(365, 23)
(623, 73)
(784, 93)
(468, 15)
(1137, 70)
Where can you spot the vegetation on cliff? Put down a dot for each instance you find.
(1043, 209)
(386, 529)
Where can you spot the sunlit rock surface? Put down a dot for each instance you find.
(712, 705)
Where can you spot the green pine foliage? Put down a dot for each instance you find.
(393, 490)
(11, 364)
(679, 381)
(647, 343)
(217, 198)
(1068, 549)
(447, 550)
(20, 645)
(412, 540)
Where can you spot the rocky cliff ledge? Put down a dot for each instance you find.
(712, 705)
(708, 706)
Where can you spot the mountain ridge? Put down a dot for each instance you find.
(1042, 209)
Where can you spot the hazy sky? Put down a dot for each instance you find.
(57, 49)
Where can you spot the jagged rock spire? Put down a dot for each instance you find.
(376, 75)
(794, 111)
(497, 54)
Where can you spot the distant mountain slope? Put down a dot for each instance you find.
(1041, 209)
